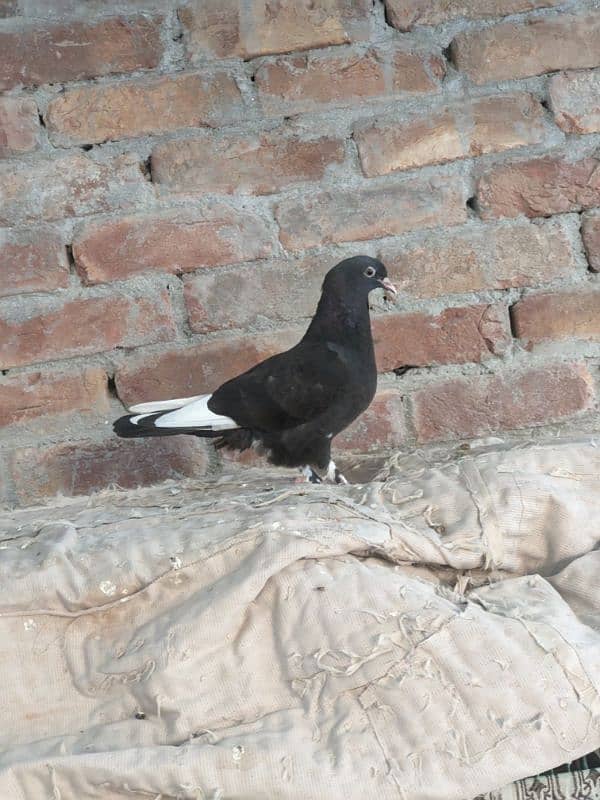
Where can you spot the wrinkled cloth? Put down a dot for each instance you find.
(432, 635)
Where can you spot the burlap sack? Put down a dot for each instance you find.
(432, 636)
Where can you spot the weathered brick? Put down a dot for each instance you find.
(277, 291)
(19, 126)
(68, 52)
(456, 336)
(93, 114)
(75, 327)
(562, 315)
(358, 214)
(82, 467)
(176, 241)
(380, 427)
(223, 28)
(287, 290)
(406, 14)
(539, 187)
(483, 404)
(198, 368)
(304, 82)
(32, 261)
(590, 230)
(575, 99)
(242, 164)
(474, 128)
(492, 256)
(39, 394)
(519, 49)
(73, 185)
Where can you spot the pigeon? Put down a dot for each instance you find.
(292, 404)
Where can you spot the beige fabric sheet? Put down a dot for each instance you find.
(431, 636)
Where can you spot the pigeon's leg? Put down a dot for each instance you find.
(333, 473)
(309, 475)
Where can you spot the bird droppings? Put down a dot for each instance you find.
(237, 752)
(175, 562)
(29, 625)
(108, 588)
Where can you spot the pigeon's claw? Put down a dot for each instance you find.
(339, 478)
(334, 475)
(309, 476)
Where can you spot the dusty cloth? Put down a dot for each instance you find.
(430, 636)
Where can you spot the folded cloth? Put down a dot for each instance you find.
(433, 635)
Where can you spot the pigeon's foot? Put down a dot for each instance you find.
(334, 475)
(309, 476)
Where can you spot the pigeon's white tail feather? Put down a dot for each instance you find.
(196, 415)
(164, 405)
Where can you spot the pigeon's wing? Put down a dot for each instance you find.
(286, 390)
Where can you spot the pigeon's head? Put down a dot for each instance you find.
(359, 276)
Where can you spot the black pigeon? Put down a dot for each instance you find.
(293, 403)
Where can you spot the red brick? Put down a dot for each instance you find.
(358, 214)
(77, 327)
(381, 427)
(406, 14)
(82, 467)
(177, 241)
(32, 261)
(456, 336)
(72, 185)
(518, 49)
(198, 368)
(540, 187)
(277, 291)
(483, 404)
(242, 164)
(58, 53)
(135, 108)
(19, 126)
(223, 28)
(591, 239)
(304, 82)
(492, 256)
(562, 315)
(39, 394)
(575, 98)
(490, 125)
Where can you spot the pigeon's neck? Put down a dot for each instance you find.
(343, 321)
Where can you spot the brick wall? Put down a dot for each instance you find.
(175, 179)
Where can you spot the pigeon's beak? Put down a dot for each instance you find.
(390, 289)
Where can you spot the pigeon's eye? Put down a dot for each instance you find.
(369, 272)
